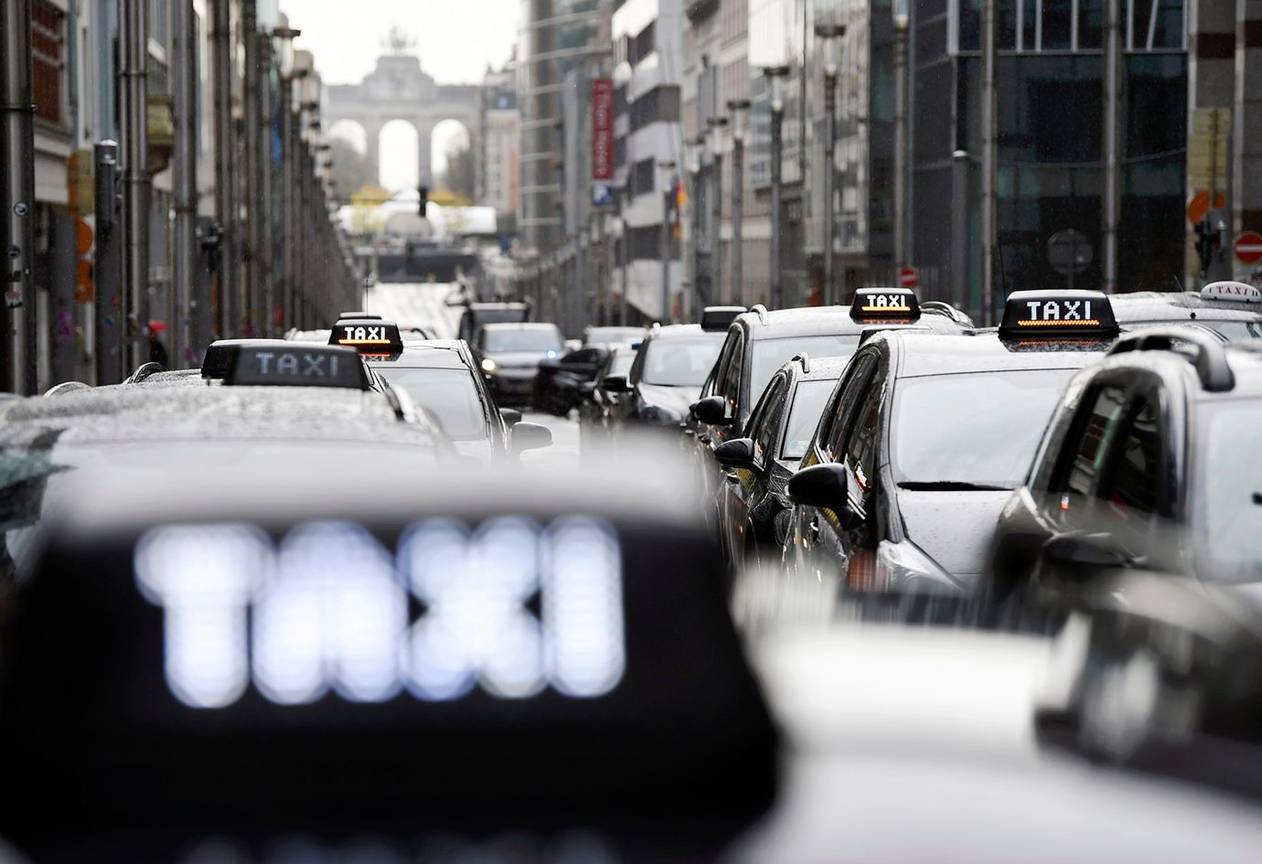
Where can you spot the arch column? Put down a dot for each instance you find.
(372, 147)
(424, 153)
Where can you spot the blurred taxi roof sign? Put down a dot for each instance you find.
(1058, 315)
(1235, 292)
(885, 304)
(218, 357)
(358, 316)
(716, 319)
(367, 335)
(295, 365)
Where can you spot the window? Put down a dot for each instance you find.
(1134, 477)
(1088, 441)
(730, 381)
(765, 421)
(47, 37)
(450, 395)
(839, 423)
(808, 405)
(861, 445)
(678, 362)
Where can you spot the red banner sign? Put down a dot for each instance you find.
(602, 129)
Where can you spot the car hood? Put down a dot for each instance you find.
(677, 399)
(515, 359)
(953, 528)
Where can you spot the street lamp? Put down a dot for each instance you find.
(902, 21)
(774, 76)
(667, 166)
(693, 149)
(829, 36)
(738, 111)
(716, 126)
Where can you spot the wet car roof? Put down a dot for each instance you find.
(1144, 306)
(433, 354)
(934, 354)
(826, 320)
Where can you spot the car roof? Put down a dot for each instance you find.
(500, 326)
(983, 351)
(130, 413)
(435, 354)
(1143, 306)
(816, 368)
(824, 321)
(677, 331)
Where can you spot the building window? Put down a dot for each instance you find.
(1071, 25)
(659, 105)
(48, 29)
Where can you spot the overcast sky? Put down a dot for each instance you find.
(455, 39)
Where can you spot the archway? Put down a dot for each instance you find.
(399, 155)
(453, 162)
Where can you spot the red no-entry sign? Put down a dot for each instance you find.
(909, 277)
(1249, 247)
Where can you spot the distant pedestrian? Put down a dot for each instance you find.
(157, 351)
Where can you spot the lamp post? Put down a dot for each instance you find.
(738, 109)
(774, 76)
(692, 165)
(667, 166)
(716, 125)
(901, 21)
(829, 36)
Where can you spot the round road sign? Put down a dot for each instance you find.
(908, 277)
(1249, 247)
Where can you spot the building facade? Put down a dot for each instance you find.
(499, 138)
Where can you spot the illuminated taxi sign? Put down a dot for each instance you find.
(290, 365)
(1235, 292)
(885, 304)
(367, 336)
(1058, 315)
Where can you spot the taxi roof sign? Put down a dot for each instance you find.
(885, 304)
(295, 365)
(716, 319)
(218, 358)
(1235, 292)
(358, 316)
(1058, 314)
(367, 336)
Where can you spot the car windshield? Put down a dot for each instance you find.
(973, 429)
(808, 404)
(677, 362)
(1230, 493)
(771, 354)
(449, 394)
(539, 339)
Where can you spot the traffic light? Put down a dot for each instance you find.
(423, 201)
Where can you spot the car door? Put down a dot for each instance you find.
(744, 487)
(812, 542)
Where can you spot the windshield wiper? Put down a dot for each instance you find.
(950, 486)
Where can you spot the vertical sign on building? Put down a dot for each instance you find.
(602, 142)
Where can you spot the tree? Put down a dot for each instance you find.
(351, 171)
(459, 178)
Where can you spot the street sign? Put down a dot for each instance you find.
(1249, 247)
(602, 194)
(908, 277)
(1198, 204)
(1069, 252)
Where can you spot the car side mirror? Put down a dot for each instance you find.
(511, 416)
(737, 453)
(712, 410)
(1077, 552)
(616, 384)
(829, 485)
(529, 436)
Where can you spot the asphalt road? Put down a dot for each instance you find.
(423, 304)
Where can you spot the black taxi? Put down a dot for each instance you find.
(926, 436)
(1144, 466)
(760, 341)
(754, 506)
(440, 378)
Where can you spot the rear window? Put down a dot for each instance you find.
(537, 339)
(771, 354)
(448, 394)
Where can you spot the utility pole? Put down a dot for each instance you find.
(667, 166)
(829, 36)
(17, 143)
(959, 228)
(107, 268)
(136, 184)
(1112, 155)
(989, 156)
(288, 136)
(773, 75)
(225, 178)
(716, 125)
(250, 317)
(185, 297)
(901, 25)
(739, 110)
(626, 256)
(263, 194)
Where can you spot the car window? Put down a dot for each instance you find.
(1133, 475)
(804, 414)
(522, 339)
(583, 356)
(770, 354)
(843, 409)
(770, 409)
(729, 385)
(861, 443)
(1087, 444)
(679, 362)
(450, 395)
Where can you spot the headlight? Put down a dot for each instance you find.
(902, 567)
(658, 414)
(488, 365)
